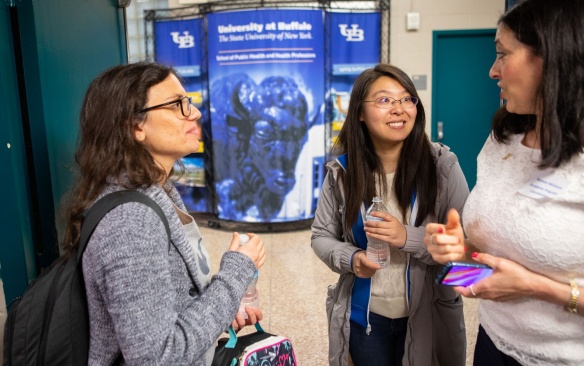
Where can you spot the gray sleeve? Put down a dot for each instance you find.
(129, 261)
(455, 191)
(415, 244)
(453, 194)
(327, 231)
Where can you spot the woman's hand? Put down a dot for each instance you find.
(390, 230)
(446, 242)
(254, 315)
(362, 266)
(509, 280)
(254, 248)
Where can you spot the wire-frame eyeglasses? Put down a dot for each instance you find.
(184, 102)
(388, 102)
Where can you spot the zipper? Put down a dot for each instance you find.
(368, 328)
(49, 306)
(347, 317)
(411, 331)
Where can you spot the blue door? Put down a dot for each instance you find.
(464, 97)
(49, 53)
(16, 248)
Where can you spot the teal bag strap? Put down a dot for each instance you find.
(233, 336)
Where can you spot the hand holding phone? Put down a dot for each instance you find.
(463, 274)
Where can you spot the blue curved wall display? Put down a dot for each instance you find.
(267, 97)
(269, 87)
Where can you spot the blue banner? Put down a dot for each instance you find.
(355, 41)
(355, 46)
(266, 73)
(177, 43)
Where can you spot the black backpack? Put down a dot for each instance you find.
(49, 324)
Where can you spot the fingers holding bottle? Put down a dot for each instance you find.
(363, 267)
(253, 315)
(389, 229)
(254, 248)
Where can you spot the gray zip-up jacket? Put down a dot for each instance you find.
(144, 295)
(436, 332)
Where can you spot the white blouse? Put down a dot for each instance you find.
(535, 218)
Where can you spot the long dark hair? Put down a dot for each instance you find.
(553, 30)
(416, 168)
(107, 146)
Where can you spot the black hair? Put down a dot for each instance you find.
(416, 168)
(553, 31)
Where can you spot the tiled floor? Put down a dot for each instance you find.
(292, 286)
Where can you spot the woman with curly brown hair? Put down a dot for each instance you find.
(150, 302)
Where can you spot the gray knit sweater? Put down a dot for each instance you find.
(144, 297)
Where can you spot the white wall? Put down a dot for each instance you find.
(412, 50)
(135, 24)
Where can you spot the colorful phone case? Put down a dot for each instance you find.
(463, 274)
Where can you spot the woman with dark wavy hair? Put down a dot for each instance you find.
(149, 303)
(395, 315)
(525, 216)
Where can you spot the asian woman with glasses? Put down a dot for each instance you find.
(395, 315)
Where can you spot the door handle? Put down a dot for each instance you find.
(440, 130)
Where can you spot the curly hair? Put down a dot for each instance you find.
(107, 147)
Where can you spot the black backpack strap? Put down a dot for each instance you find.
(105, 205)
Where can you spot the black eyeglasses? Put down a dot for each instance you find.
(184, 102)
(388, 102)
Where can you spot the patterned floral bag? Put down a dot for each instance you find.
(255, 349)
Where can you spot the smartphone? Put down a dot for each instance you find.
(463, 274)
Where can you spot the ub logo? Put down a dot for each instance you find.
(354, 34)
(184, 41)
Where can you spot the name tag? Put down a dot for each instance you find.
(543, 185)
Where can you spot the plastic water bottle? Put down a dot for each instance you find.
(377, 250)
(251, 296)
